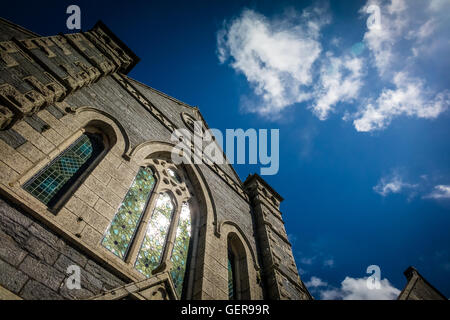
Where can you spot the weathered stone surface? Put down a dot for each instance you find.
(47, 236)
(34, 290)
(11, 278)
(41, 250)
(110, 281)
(7, 211)
(74, 255)
(12, 228)
(10, 251)
(88, 281)
(75, 293)
(418, 288)
(42, 272)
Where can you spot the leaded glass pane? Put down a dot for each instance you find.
(180, 248)
(230, 276)
(155, 237)
(47, 182)
(124, 225)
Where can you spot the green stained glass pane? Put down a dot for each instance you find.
(180, 248)
(230, 276)
(155, 237)
(123, 227)
(48, 181)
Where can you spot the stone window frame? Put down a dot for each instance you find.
(93, 127)
(180, 193)
(241, 280)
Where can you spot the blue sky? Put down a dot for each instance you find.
(362, 111)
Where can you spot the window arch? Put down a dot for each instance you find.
(53, 184)
(156, 236)
(238, 278)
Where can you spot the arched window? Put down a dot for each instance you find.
(238, 280)
(60, 178)
(124, 225)
(152, 228)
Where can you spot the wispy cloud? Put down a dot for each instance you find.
(328, 263)
(315, 282)
(425, 186)
(307, 261)
(393, 183)
(439, 192)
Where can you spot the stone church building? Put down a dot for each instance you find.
(88, 190)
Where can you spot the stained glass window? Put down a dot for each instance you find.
(52, 181)
(180, 248)
(125, 222)
(155, 237)
(231, 280)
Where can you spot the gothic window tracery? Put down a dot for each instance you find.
(155, 237)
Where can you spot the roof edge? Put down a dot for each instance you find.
(20, 28)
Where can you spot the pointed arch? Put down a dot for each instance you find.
(243, 237)
(238, 274)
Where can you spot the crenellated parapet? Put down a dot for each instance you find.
(37, 72)
(280, 271)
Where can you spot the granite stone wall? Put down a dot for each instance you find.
(34, 261)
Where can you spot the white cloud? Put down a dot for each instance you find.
(276, 56)
(356, 289)
(392, 184)
(315, 282)
(340, 81)
(282, 59)
(381, 41)
(439, 5)
(404, 35)
(440, 192)
(409, 97)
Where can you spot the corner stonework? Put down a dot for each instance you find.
(279, 270)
